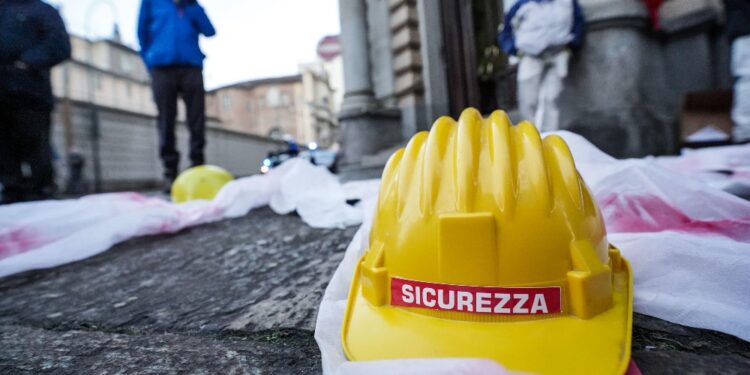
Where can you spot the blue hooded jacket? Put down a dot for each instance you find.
(168, 32)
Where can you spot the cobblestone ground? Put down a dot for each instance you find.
(234, 297)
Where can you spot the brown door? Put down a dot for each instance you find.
(474, 63)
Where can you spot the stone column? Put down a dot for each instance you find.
(626, 84)
(381, 56)
(615, 93)
(358, 92)
(366, 126)
(433, 63)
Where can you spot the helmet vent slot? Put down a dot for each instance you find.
(468, 253)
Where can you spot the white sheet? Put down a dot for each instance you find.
(689, 242)
(51, 233)
(726, 168)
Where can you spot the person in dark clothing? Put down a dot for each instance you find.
(168, 32)
(738, 30)
(32, 40)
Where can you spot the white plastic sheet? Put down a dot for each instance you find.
(688, 243)
(726, 168)
(51, 233)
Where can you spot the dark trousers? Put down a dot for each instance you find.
(26, 171)
(167, 84)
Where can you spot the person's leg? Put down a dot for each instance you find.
(10, 164)
(741, 109)
(555, 71)
(741, 106)
(36, 152)
(529, 81)
(551, 88)
(541, 106)
(164, 84)
(194, 95)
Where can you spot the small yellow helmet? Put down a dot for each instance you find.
(487, 243)
(201, 182)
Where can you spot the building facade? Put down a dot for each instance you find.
(331, 63)
(268, 107)
(105, 73)
(407, 62)
(321, 102)
(298, 107)
(106, 117)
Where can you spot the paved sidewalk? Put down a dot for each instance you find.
(239, 296)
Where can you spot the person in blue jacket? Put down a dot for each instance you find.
(168, 32)
(32, 40)
(542, 33)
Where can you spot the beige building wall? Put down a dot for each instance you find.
(108, 74)
(281, 107)
(407, 60)
(231, 105)
(320, 104)
(269, 107)
(120, 149)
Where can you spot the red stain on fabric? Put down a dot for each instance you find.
(648, 213)
(633, 369)
(135, 197)
(14, 241)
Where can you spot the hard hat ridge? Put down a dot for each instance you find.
(448, 161)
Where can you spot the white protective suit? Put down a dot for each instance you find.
(741, 71)
(540, 82)
(542, 30)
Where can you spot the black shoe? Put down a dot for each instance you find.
(40, 196)
(10, 196)
(10, 199)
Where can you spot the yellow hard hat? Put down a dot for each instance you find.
(487, 243)
(201, 182)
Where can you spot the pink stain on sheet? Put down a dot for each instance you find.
(21, 239)
(648, 213)
(135, 197)
(184, 219)
(14, 241)
(633, 369)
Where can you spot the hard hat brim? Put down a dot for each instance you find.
(564, 344)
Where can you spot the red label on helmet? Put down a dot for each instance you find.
(476, 299)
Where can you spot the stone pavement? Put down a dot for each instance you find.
(234, 297)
